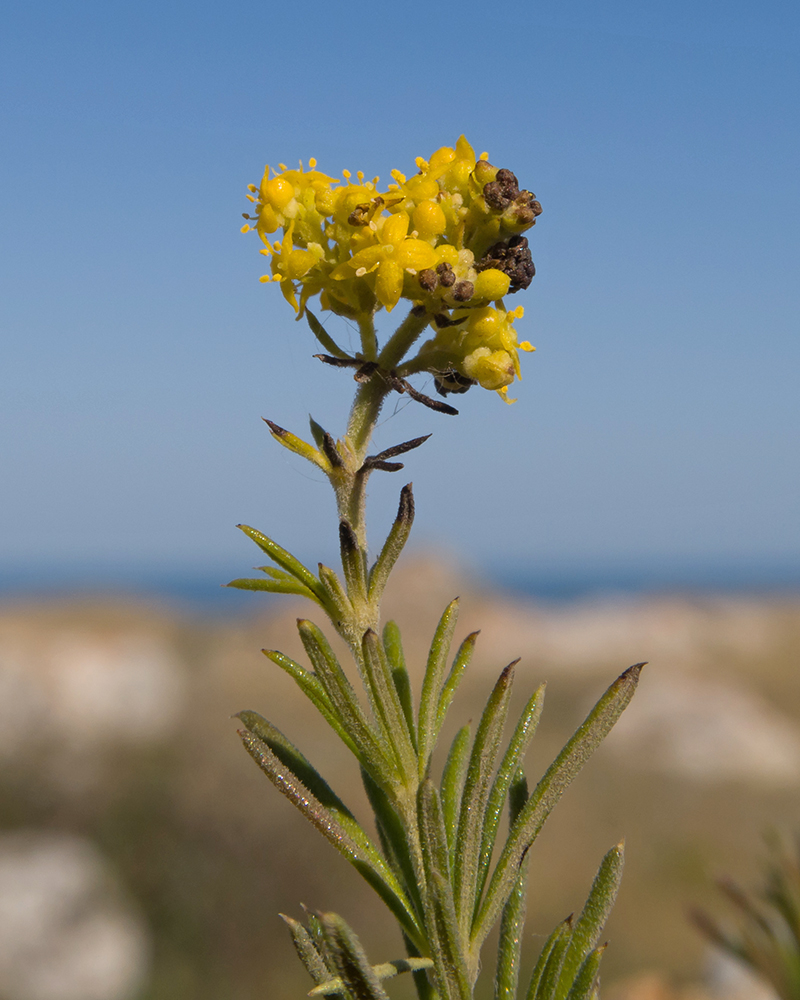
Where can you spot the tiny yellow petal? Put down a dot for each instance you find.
(526, 345)
(429, 220)
(312, 163)
(491, 284)
(267, 219)
(245, 229)
(395, 228)
(389, 284)
(278, 192)
(441, 158)
(447, 254)
(416, 254)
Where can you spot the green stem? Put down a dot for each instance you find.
(364, 415)
(369, 339)
(402, 339)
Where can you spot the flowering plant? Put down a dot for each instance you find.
(449, 241)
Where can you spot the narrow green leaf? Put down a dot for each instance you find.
(354, 561)
(299, 446)
(562, 930)
(285, 559)
(422, 981)
(387, 970)
(512, 922)
(460, 664)
(351, 962)
(453, 775)
(274, 587)
(589, 925)
(374, 753)
(512, 759)
(509, 944)
(313, 689)
(274, 573)
(342, 835)
(323, 336)
(393, 646)
(289, 755)
(387, 704)
(561, 772)
(475, 796)
(317, 432)
(586, 978)
(339, 605)
(517, 795)
(306, 950)
(552, 967)
(394, 840)
(393, 546)
(315, 930)
(441, 923)
(431, 826)
(432, 684)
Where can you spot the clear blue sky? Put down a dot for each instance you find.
(659, 415)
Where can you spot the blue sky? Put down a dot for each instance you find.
(659, 416)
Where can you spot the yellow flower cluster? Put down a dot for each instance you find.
(447, 239)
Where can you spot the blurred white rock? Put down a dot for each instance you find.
(126, 688)
(707, 729)
(732, 980)
(588, 635)
(88, 688)
(66, 930)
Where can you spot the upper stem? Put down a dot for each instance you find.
(349, 481)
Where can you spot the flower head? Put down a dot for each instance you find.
(447, 239)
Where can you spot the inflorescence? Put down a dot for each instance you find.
(449, 240)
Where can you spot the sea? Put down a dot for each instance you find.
(201, 590)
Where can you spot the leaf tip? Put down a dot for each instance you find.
(634, 671)
(276, 429)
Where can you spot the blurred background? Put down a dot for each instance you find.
(639, 501)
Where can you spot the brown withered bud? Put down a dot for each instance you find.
(442, 320)
(463, 291)
(452, 381)
(507, 179)
(360, 215)
(512, 258)
(427, 279)
(447, 276)
(500, 192)
(495, 195)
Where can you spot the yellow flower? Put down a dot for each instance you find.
(479, 345)
(393, 255)
(447, 239)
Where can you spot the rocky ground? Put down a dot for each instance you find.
(142, 855)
